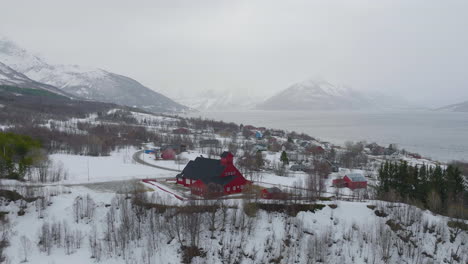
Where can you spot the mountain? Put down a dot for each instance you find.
(12, 78)
(460, 107)
(88, 83)
(211, 100)
(322, 95)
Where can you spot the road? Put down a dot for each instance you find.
(137, 159)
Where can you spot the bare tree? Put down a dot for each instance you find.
(25, 248)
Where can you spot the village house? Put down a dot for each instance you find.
(273, 193)
(169, 152)
(301, 167)
(250, 127)
(206, 176)
(181, 131)
(351, 180)
(209, 143)
(258, 135)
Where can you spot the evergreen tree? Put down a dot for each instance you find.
(455, 182)
(422, 188)
(284, 158)
(383, 186)
(438, 183)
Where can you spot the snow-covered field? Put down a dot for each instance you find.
(118, 166)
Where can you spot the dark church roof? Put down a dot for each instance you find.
(225, 154)
(206, 170)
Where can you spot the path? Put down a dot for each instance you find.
(137, 159)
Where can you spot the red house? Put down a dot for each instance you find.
(168, 154)
(352, 181)
(212, 176)
(273, 193)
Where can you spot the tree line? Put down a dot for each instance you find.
(439, 189)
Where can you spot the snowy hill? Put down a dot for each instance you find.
(461, 107)
(88, 83)
(210, 100)
(323, 95)
(10, 77)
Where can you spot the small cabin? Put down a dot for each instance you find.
(273, 193)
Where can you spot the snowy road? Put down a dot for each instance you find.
(137, 159)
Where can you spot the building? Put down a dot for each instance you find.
(352, 181)
(300, 167)
(168, 153)
(259, 147)
(258, 135)
(212, 177)
(273, 193)
(181, 131)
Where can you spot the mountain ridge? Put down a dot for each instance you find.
(459, 107)
(321, 95)
(86, 82)
(10, 77)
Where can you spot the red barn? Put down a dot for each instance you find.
(355, 181)
(212, 176)
(352, 181)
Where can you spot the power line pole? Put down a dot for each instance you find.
(88, 167)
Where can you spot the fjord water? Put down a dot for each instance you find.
(438, 135)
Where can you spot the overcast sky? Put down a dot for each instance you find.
(418, 49)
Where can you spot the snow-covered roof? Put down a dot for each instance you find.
(356, 177)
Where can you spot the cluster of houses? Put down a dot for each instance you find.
(216, 177)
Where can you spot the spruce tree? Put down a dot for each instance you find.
(455, 182)
(284, 158)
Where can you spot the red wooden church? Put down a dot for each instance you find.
(212, 176)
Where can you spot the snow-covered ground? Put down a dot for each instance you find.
(178, 164)
(349, 233)
(118, 166)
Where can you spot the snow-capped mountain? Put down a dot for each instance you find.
(10, 77)
(88, 83)
(211, 100)
(323, 95)
(460, 107)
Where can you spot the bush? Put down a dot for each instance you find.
(458, 224)
(380, 213)
(290, 209)
(188, 253)
(250, 209)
